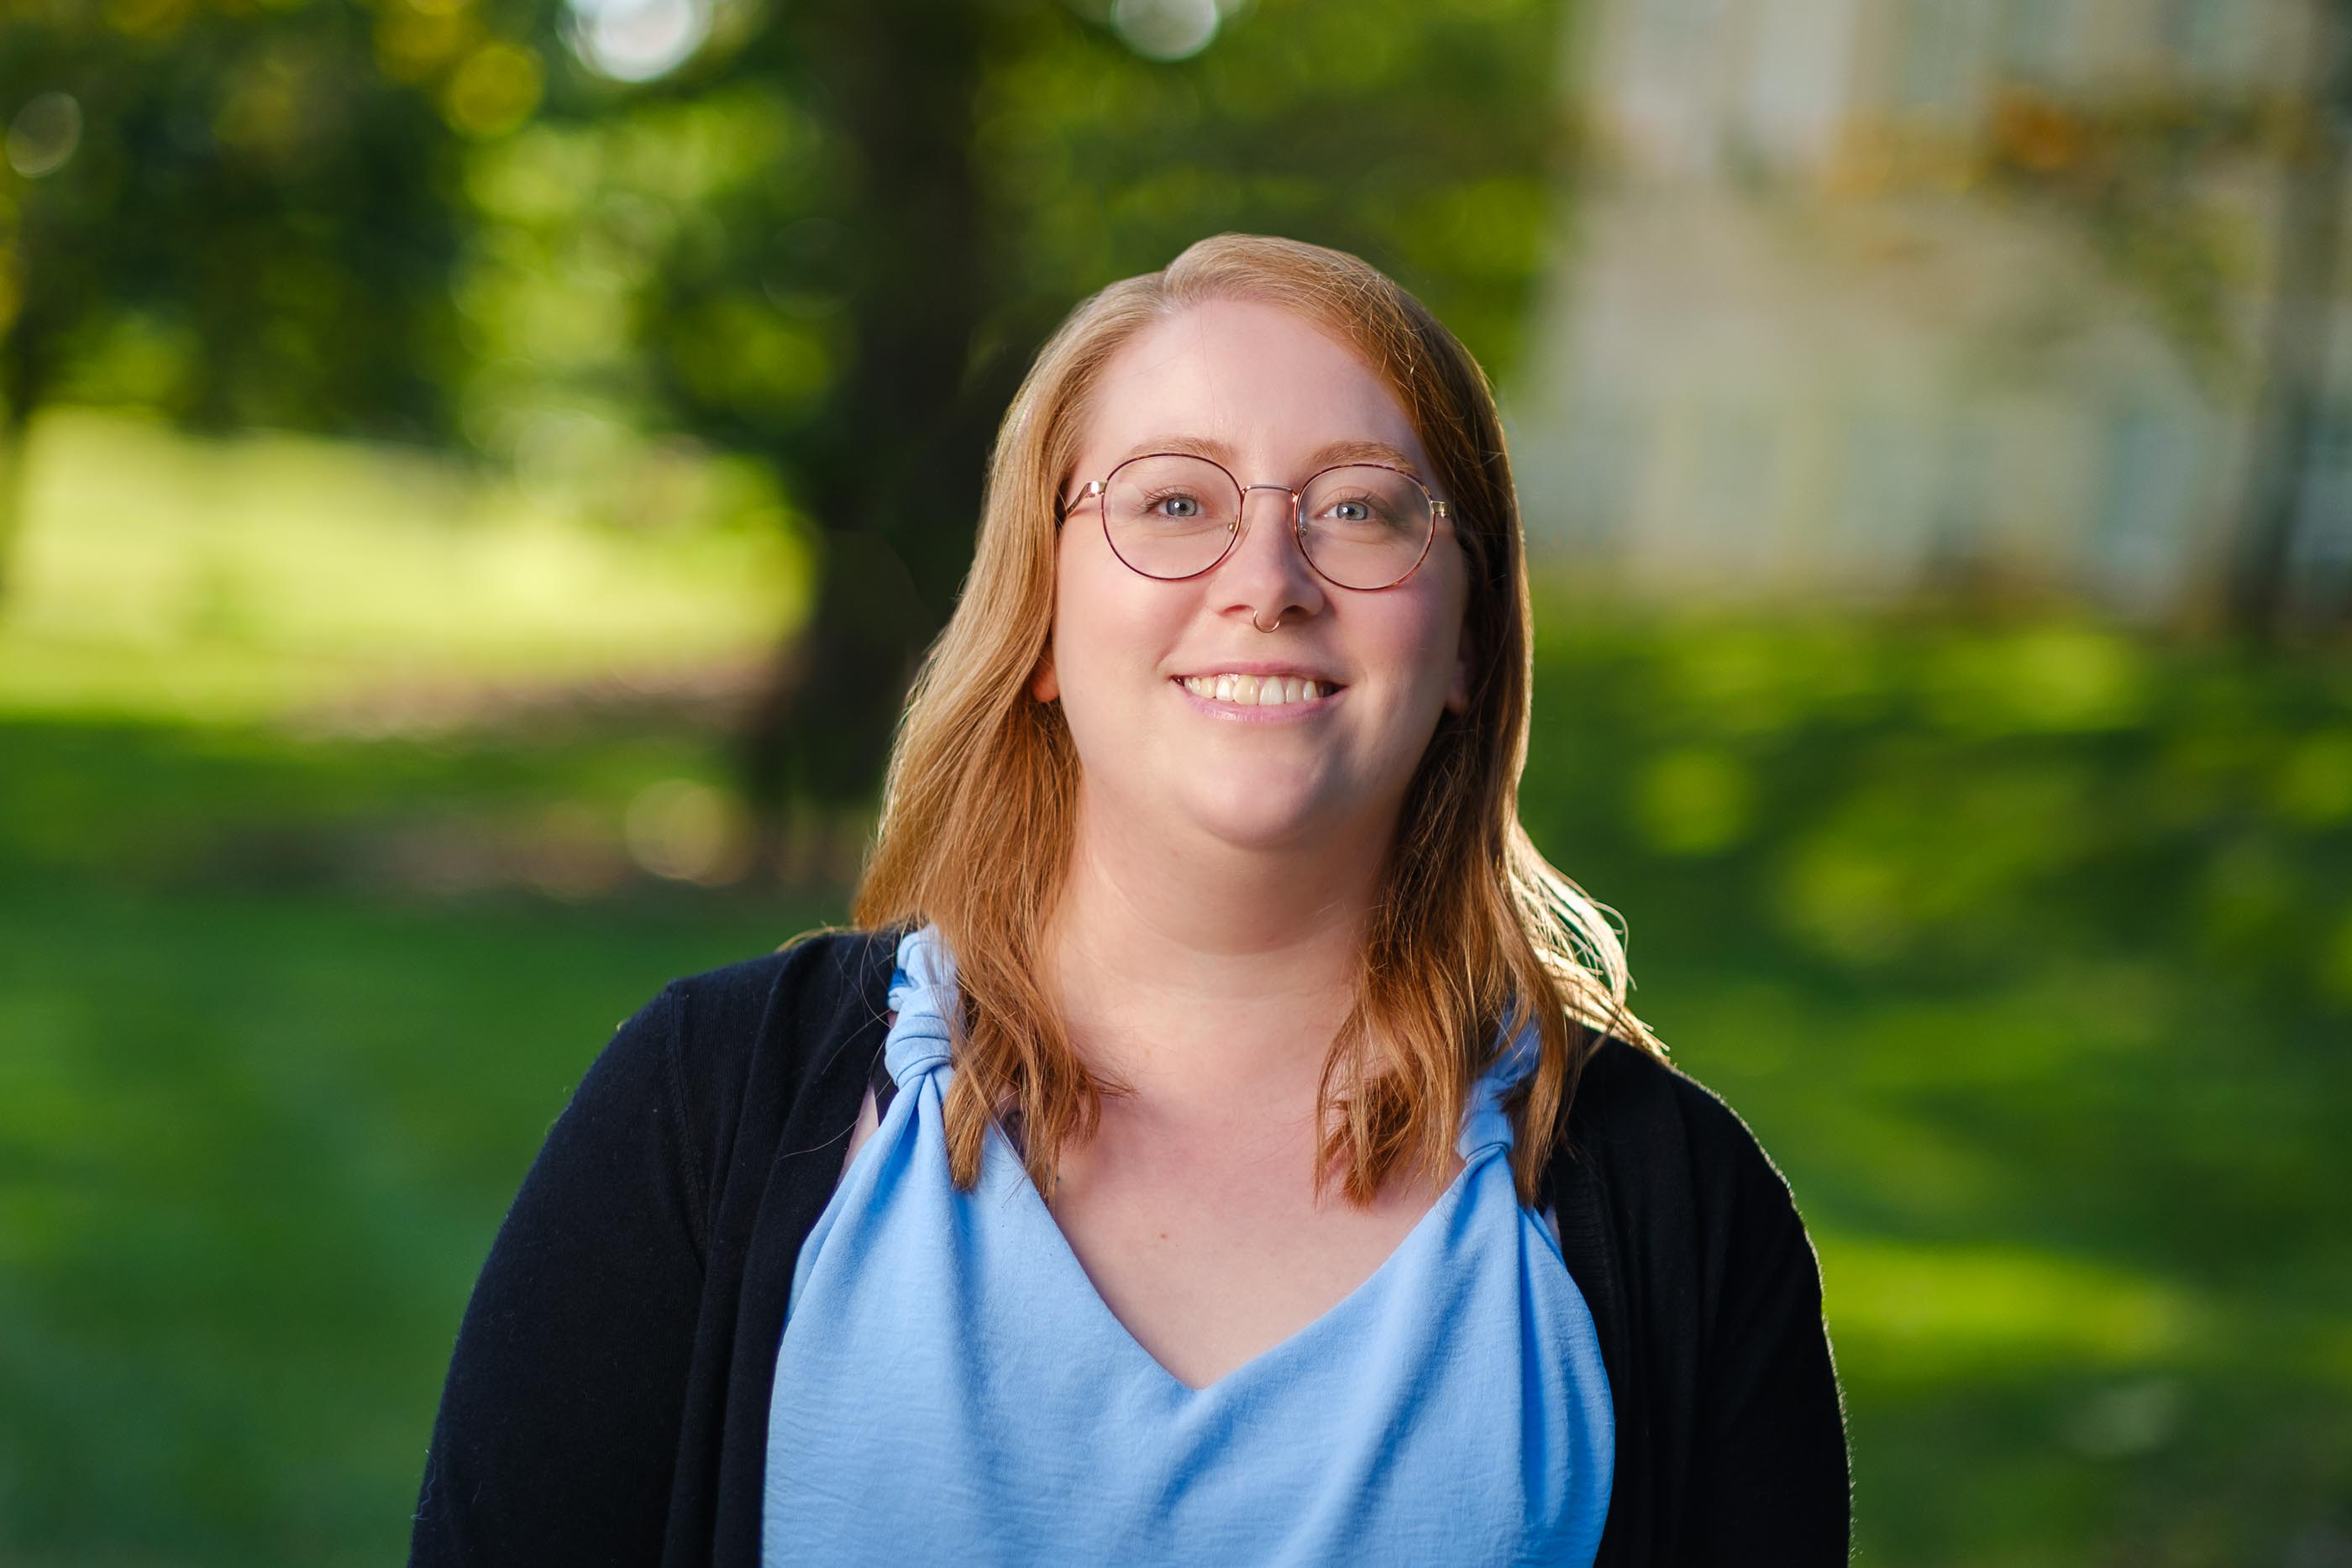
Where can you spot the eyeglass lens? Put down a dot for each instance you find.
(1173, 516)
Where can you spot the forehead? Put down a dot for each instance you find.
(1254, 379)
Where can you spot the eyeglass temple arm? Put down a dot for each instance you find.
(1062, 509)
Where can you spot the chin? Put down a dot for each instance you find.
(1259, 819)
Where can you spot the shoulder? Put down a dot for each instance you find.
(1629, 1097)
(831, 968)
(1660, 1139)
(812, 993)
(740, 1044)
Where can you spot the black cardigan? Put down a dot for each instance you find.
(607, 1400)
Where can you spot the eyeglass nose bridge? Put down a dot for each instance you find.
(1296, 496)
(1241, 525)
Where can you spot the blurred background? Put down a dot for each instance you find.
(475, 475)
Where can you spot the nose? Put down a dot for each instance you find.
(1267, 576)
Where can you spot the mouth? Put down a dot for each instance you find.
(1259, 698)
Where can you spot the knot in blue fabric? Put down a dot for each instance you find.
(922, 991)
(1486, 1124)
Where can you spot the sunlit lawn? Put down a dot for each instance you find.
(2026, 950)
(162, 577)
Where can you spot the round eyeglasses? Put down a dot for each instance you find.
(1172, 514)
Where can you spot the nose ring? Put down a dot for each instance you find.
(1276, 627)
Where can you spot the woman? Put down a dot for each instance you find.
(1221, 1138)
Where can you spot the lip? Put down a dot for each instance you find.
(1236, 713)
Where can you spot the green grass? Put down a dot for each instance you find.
(2025, 948)
(248, 579)
(2027, 951)
(255, 1146)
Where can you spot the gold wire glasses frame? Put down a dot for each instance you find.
(1174, 546)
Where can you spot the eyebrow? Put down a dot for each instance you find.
(1323, 457)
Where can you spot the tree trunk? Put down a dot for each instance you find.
(24, 365)
(896, 488)
(13, 434)
(2293, 392)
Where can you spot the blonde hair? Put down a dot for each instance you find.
(1473, 930)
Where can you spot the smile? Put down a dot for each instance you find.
(1256, 700)
(1255, 691)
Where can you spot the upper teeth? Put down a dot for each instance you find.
(1260, 690)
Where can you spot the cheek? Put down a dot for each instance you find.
(1110, 629)
(1421, 639)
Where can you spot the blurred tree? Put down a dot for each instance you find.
(234, 212)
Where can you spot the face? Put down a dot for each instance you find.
(1158, 758)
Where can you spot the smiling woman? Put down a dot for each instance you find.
(1223, 1135)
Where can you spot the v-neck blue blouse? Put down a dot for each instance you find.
(951, 1387)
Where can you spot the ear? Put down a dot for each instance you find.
(1458, 696)
(1042, 683)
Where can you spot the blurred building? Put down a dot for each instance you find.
(1856, 291)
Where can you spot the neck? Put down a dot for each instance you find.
(1209, 979)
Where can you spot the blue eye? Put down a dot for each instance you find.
(1374, 511)
(1153, 503)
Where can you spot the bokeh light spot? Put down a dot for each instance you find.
(148, 18)
(493, 90)
(1694, 802)
(684, 831)
(1165, 29)
(44, 134)
(2314, 788)
(638, 40)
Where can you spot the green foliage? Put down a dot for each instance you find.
(1942, 809)
(1426, 138)
(645, 268)
(251, 226)
(2133, 176)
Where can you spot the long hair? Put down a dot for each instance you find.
(1473, 933)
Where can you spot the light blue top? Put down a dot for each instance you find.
(951, 1387)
